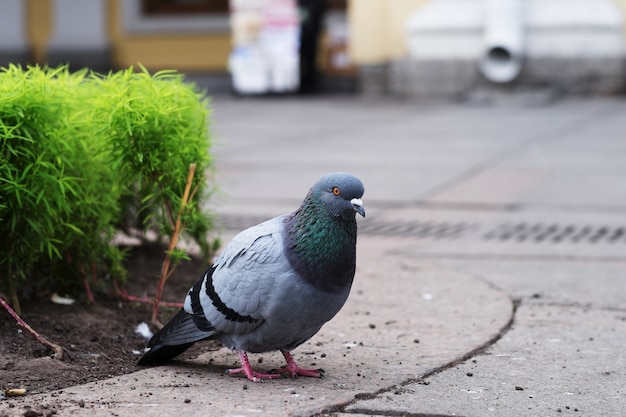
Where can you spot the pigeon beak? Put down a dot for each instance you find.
(357, 205)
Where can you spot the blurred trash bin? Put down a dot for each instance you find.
(265, 54)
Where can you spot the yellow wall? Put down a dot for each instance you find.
(377, 29)
(189, 52)
(38, 27)
(197, 52)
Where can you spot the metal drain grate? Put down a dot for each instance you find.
(416, 229)
(410, 229)
(557, 233)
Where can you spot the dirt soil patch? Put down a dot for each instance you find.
(99, 340)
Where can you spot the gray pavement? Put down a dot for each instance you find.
(491, 276)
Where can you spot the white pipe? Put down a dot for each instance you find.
(504, 42)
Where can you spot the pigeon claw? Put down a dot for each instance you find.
(291, 369)
(251, 374)
(294, 370)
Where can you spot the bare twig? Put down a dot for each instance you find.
(166, 272)
(123, 294)
(58, 350)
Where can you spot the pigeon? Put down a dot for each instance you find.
(275, 284)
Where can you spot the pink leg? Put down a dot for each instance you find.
(247, 369)
(294, 370)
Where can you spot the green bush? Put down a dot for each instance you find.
(156, 127)
(84, 157)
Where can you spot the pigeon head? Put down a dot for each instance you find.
(340, 194)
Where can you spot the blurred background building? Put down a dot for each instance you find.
(404, 47)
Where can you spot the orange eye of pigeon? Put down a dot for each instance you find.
(336, 191)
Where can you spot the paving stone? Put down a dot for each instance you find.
(555, 361)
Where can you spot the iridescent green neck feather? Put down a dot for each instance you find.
(320, 246)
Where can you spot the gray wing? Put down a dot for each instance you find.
(232, 296)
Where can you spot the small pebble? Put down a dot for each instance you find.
(518, 388)
(187, 400)
(469, 374)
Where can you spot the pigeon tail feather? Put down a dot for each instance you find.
(160, 354)
(174, 338)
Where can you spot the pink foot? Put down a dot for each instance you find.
(294, 370)
(291, 368)
(247, 370)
